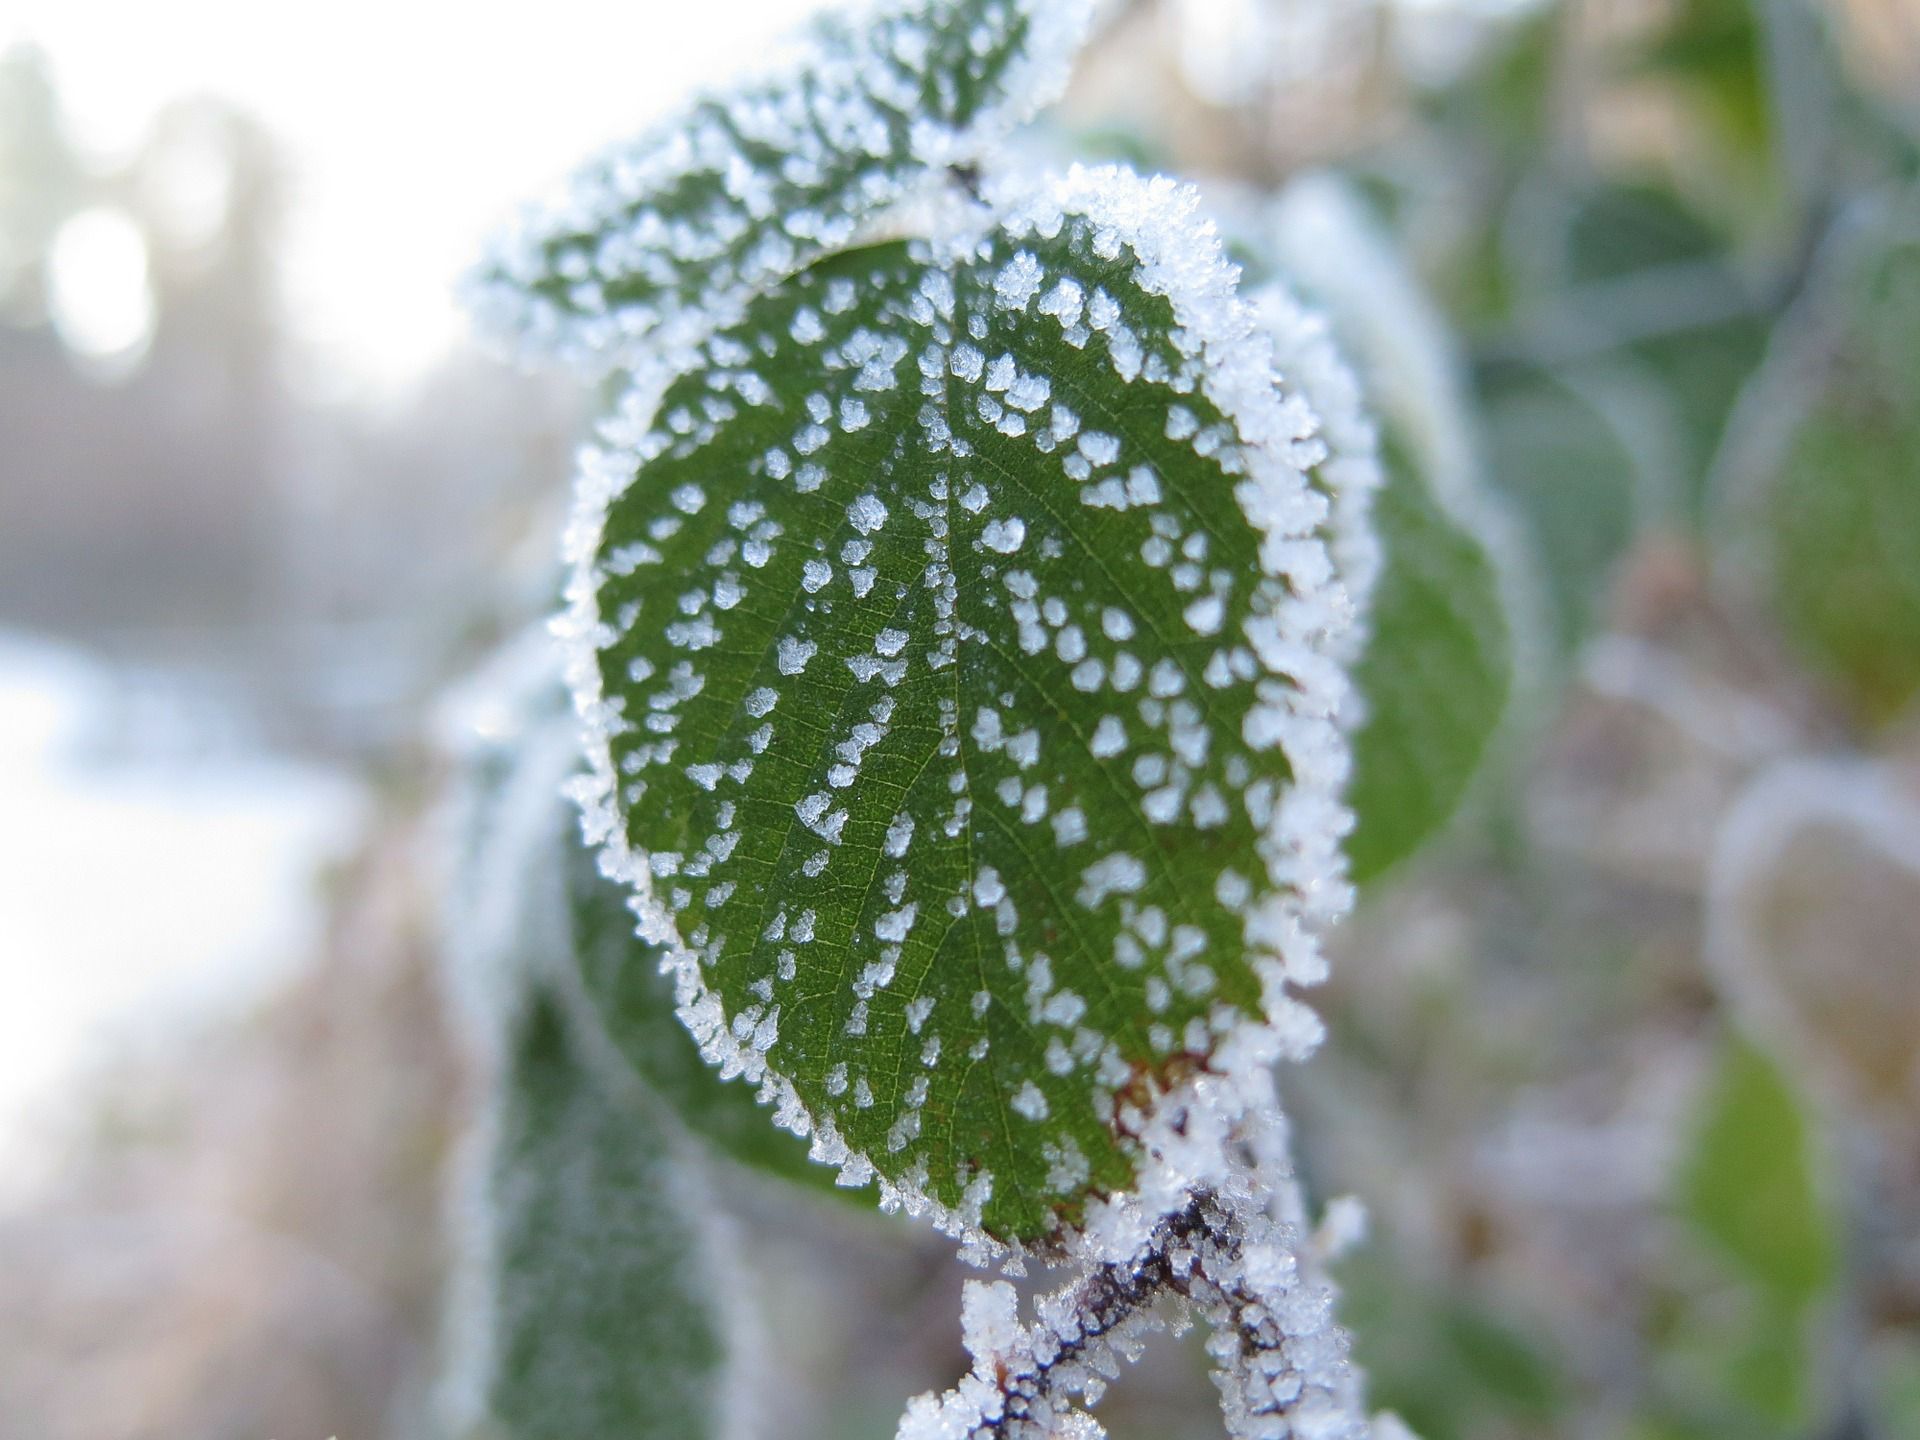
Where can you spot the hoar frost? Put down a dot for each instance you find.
(1050, 660)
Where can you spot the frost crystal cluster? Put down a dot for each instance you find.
(962, 601)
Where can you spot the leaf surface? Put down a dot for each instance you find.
(1749, 1182)
(528, 901)
(953, 644)
(1435, 674)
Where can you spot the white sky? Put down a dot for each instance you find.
(410, 127)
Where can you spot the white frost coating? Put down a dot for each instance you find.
(1306, 356)
(867, 514)
(1189, 1136)
(636, 253)
(794, 654)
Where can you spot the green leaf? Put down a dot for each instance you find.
(1834, 480)
(1435, 674)
(1436, 671)
(656, 240)
(598, 1310)
(1748, 1181)
(952, 640)
(1739, 1356)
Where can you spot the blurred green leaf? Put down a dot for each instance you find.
(1747, 1183)
(1841, 490)
(1717, 49)
(1570, 474)
(1451, 1365)
(1436, 672)
(603, 1317)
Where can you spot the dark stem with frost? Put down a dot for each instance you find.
(1276, 1352)
(1103, 1302)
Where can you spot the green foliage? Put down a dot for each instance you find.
(1748, 1187)
(1748, 1181)
(601, 1300)
(1842, 485)
(953, 722)
(1435, 674)
(529, 901)
(1446, 1361)
(1567, 470)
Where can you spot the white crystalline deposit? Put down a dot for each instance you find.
(662, 238)
(1308, 361)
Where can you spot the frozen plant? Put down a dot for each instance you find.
(963, 607)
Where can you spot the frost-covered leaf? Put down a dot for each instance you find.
(657, 239)
(953, 640)
(1434, 676)
(1825, 465)
(591, 1285)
